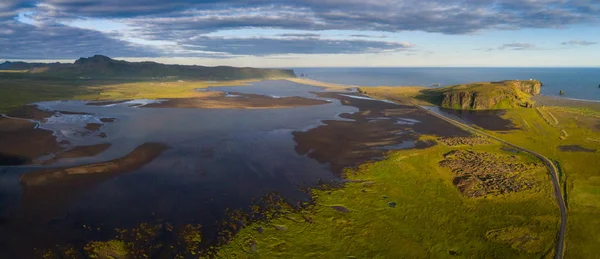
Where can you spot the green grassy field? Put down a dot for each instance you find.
(580, 174)
(14, 71)
(431, 219)
(18, 92)
(544, 130)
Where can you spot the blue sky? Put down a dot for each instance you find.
(308, 33)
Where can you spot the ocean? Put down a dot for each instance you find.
(577, 83)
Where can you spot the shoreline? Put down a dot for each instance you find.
(548, 100)
(545, 100)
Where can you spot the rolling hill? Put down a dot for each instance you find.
(99, 66)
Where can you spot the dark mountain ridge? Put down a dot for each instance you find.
(100, 66)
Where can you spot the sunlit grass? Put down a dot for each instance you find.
(579, 170)
(14, 71)
(16, 93)
(431, 219)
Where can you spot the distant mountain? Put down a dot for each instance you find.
(100, 66)
(19, 65)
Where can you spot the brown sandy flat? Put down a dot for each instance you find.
(81, 151)
(74, 113)
(244, 101)
(108, 120)
(350, 143)
(93, 126)
(139, 157)
(21, 143)
(9, 124)
(30, 112)
(102, 103)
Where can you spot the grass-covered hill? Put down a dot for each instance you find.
(100, 66)
(473, 96)
(485, 96)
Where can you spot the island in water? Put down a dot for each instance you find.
(112, 159)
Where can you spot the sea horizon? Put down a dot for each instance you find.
(576, 82)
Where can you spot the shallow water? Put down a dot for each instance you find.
(219, 158)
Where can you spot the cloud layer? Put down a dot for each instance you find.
(188, 24)
(56, 41)
(575, 43)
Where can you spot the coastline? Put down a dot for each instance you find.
(350, 148)
(545, 100)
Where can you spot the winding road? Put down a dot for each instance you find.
(559, 250)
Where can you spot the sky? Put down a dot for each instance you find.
(306, 33)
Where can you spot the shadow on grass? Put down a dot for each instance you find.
(432, 96)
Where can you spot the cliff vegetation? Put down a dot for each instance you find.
(485, 95)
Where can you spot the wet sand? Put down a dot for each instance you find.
(80, 152)
(542, 100)
(105, 103)
(21, 142)
(240, 101)
(133, 161)
(376, 129)
(325, 85)
(29, 112)
(93, 126)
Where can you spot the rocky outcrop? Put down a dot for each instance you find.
(473, 100)
(478, 174)
(532, 87)
(488, 96)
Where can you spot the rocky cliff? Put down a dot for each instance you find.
(488, 95)
(532, 87)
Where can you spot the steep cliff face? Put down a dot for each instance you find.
(476, 101)
(532, 87)
(488, 96)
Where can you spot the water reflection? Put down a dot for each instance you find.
(218, 159)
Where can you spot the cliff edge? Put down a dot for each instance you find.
(486, 95)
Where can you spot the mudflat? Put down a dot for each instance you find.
(370, 133)
(29, 112)
(79, 152)
(542, 100)
(133, 161)
(21, 142)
